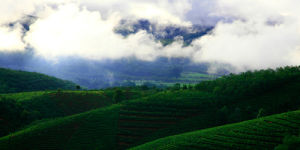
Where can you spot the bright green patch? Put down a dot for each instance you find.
(263, 133)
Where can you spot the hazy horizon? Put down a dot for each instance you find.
(244, 35)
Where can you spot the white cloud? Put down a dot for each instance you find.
(158, 11)
(251, 34)
(251, 41)
(73, 31)
(11, 38)
(85, 27)
(12, 10)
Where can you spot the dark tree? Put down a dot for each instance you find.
(261, 113)
(118, 96)
(176, 86)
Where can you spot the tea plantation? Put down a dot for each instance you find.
(212, 115)
(263, 133)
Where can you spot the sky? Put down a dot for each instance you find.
(247, 34)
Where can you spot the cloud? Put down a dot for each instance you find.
(85, 28)
(265, 35)
(158, 11)
(71, 30)
(12, 13)
(11, 38)
(12, 10)
(202, 12)
(248, 34)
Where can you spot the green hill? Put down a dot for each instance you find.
(21, 81)
(121, 126)
(146, 118)
(263, 133)
(20, 109)
(174, 112)
(96, 129)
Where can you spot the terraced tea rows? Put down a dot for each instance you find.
(96, 129)
(263, 133)
(136, 121)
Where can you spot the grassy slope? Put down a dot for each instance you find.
(185, 78)
(96, 125)
(183, 111)
(91, 130)
(129, 124)
(164, 114)
(21, 81)
(20, 109)
(289, 142)
(21, 96)
(262, 133)
(67, 102)
(142, 117)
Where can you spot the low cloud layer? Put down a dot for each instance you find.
(248, 34)
(264, 34)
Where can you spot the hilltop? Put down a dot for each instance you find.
(22, 81)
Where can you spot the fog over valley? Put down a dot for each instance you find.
(209, 36)
(149, 74)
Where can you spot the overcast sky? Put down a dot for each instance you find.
(248, 34)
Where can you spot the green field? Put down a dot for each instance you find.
(262, 133)
(21, 109)
(130, 123)
(211, 115)
(197, 76)
(189, 78)
(23, 95)
(90, 130)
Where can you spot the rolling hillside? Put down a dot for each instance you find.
(90, 130)
(263, 133)
(147, 117)
(21, 81)
(20, 109)
(122, 125)
(98, 129)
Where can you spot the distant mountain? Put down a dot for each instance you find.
(110, 73)
(21, 81)
(165, 34)
(106, 73)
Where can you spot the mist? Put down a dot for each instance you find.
(240, 37)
